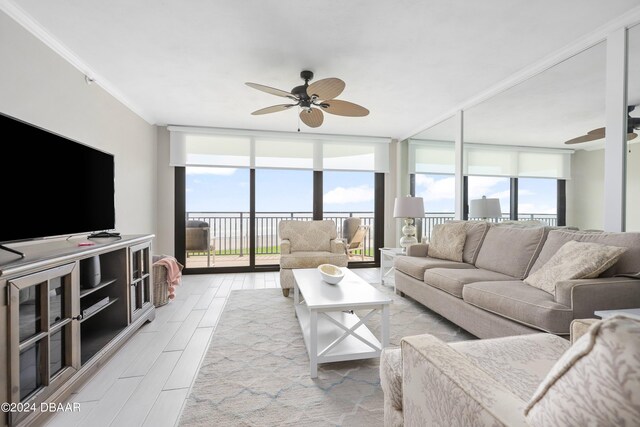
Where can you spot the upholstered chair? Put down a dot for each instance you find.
(534, 380)
(308, 244)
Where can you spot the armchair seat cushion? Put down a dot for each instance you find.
(522, 303)
(416, 266)
(453, 280)
(312, 259)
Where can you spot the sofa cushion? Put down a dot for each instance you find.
(312, 259)
(629, 261)
(522, 303)
(520, 363)
(476, 230)
(574, 260)
(595, 382)
(510, 250)
(416, 266)
(447, 241)
(453, 281)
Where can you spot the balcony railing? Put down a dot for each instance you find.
(231, 229)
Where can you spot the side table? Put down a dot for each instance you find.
(387, 257)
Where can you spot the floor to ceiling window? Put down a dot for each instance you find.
(233, 188)
(538, 199)
(217, 217)
(352, 195)
(491, 187)
(281, 194)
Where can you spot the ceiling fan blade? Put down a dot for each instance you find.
(326, 88)
(273, 109)
(583, 138)
(312, 117)
(344, 108)
(271, 90)
(600, 132)
(592, 135)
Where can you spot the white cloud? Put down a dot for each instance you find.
(432, 190)
(210, 171)
(342, 195)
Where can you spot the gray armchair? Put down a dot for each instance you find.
(308, 244)
(198, 238)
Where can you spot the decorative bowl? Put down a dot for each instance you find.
(331, 273)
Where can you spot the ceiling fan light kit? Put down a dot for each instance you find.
(313, 99)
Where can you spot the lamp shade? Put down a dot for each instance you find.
(485, 208)
(408, 207)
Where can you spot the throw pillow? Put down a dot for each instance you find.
(595, 382)
(574, 260)
(447, 241)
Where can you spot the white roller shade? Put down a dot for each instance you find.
(517, 162)
(283, 153)
(544, 165)
(490, 161)
(237, 148)
(355, 156)
(437, 157)
(196, 149)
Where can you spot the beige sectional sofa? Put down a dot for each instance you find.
(486, 295)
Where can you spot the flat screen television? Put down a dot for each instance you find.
(51, 185)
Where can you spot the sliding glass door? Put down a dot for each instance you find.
(217, 217)
(280, 195)
(348, 199)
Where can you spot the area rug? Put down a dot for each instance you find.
(256, 370)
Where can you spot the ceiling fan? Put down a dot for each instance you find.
(313, 99)
(633, 123)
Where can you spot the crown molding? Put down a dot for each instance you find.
(37, 30)
(626, 20)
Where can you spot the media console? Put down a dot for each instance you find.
(55, 333)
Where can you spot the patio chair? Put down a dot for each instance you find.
(308, 244)
(198, 239)
(357, 241)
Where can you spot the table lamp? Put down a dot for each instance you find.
(408, 208)
(485, 208)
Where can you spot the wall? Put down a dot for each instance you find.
(585, 190)
(40, 87)
(164, 242)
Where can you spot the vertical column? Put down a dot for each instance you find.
(459, 165)
(615, 156)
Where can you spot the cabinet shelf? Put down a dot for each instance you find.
(102, 284)
(111, 301)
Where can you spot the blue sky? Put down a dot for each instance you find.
(277, 190)
(534, 195)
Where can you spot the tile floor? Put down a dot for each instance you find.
(147, 381)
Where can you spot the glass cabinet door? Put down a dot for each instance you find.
(42, 332)
(140, 271)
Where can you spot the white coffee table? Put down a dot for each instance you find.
(331, 331)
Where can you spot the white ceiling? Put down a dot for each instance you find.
(407, 61)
